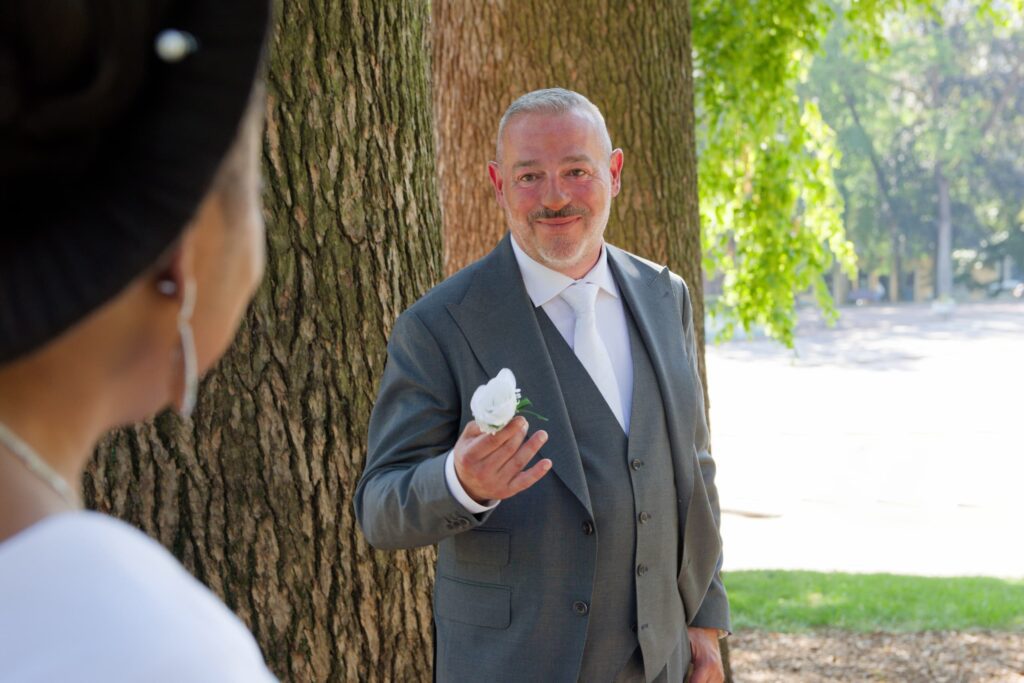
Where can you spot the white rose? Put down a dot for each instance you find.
(494, 404)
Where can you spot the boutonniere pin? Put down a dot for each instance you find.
(495, 404)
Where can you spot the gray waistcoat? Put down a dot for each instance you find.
(632, 491)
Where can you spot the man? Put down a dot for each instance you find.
(608, 570)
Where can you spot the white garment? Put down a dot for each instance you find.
(543, 285)
(86, 598)
(588, 346)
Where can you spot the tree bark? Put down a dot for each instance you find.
(632, 60)
(254, 494)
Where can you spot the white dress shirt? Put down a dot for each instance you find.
(544, 285)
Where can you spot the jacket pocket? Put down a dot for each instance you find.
(483, 546)
(476, 604)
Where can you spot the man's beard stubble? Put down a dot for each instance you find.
(562, 252)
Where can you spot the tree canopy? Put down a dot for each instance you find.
(772, 208)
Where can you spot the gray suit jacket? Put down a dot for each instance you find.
(513, 583)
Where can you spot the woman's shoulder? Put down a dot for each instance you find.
(84, 592)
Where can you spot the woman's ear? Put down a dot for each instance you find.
(174, 280)
(175, 268)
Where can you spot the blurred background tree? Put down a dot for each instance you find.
(929, 129)
(774, 79)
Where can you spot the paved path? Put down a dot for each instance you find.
(893, 442)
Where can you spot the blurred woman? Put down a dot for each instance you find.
(131, 241)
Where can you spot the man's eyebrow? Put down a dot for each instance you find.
(571, 159)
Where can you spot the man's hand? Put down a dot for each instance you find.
(705, 656)
(490, 466)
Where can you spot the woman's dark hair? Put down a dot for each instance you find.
(69, 70)
(106, 150)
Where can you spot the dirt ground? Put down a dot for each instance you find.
(827, 656)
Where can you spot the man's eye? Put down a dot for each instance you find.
(578, 172)
(527, 177)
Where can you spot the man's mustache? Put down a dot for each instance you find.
(564, 212)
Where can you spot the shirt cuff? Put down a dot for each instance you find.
(455, 487)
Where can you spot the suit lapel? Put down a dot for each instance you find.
(655, 311)
(497, 318)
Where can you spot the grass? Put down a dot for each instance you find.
(799, 600)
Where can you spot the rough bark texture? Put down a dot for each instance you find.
(633, 60)
(255, 493)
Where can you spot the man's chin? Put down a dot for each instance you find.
(564, 260)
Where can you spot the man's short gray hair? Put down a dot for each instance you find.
(552, 101)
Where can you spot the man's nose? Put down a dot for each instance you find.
(555, 195)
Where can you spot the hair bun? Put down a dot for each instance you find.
(68, 72)
(10, 93)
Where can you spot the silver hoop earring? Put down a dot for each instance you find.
(188, 350)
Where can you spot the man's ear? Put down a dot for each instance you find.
(497, 181)
(615, 168)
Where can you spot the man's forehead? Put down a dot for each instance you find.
(568, 136)
(576, 120)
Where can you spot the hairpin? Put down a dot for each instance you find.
(173, 45)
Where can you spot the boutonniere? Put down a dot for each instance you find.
(495, 404)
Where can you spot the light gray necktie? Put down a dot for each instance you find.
(589, 347)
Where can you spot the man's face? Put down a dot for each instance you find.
(556, 181)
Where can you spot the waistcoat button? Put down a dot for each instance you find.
(641, 569)
(636, 464)
(645, 517)
(581, 608)
(588, 527)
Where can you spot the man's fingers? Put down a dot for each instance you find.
(705, 655)
(528, 478)
(706, 673)
(472, 429)
(523, 455)
(483, 445)
(497, 449)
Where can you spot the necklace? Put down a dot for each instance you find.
(37, 466)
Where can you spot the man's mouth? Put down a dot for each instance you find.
(558, 221)
(567, 215)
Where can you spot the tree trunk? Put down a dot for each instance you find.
(632, 60)
(255, 493)
(889, 211)
(894, 263)
(944, 251)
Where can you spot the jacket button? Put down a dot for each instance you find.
(581, 608)
(645, 517)
(641, 569)
(588, 527)
(636, 464)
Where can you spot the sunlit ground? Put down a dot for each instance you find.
(891, 443)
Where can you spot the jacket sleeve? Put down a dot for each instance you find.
(402, 499)
(714, 610)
